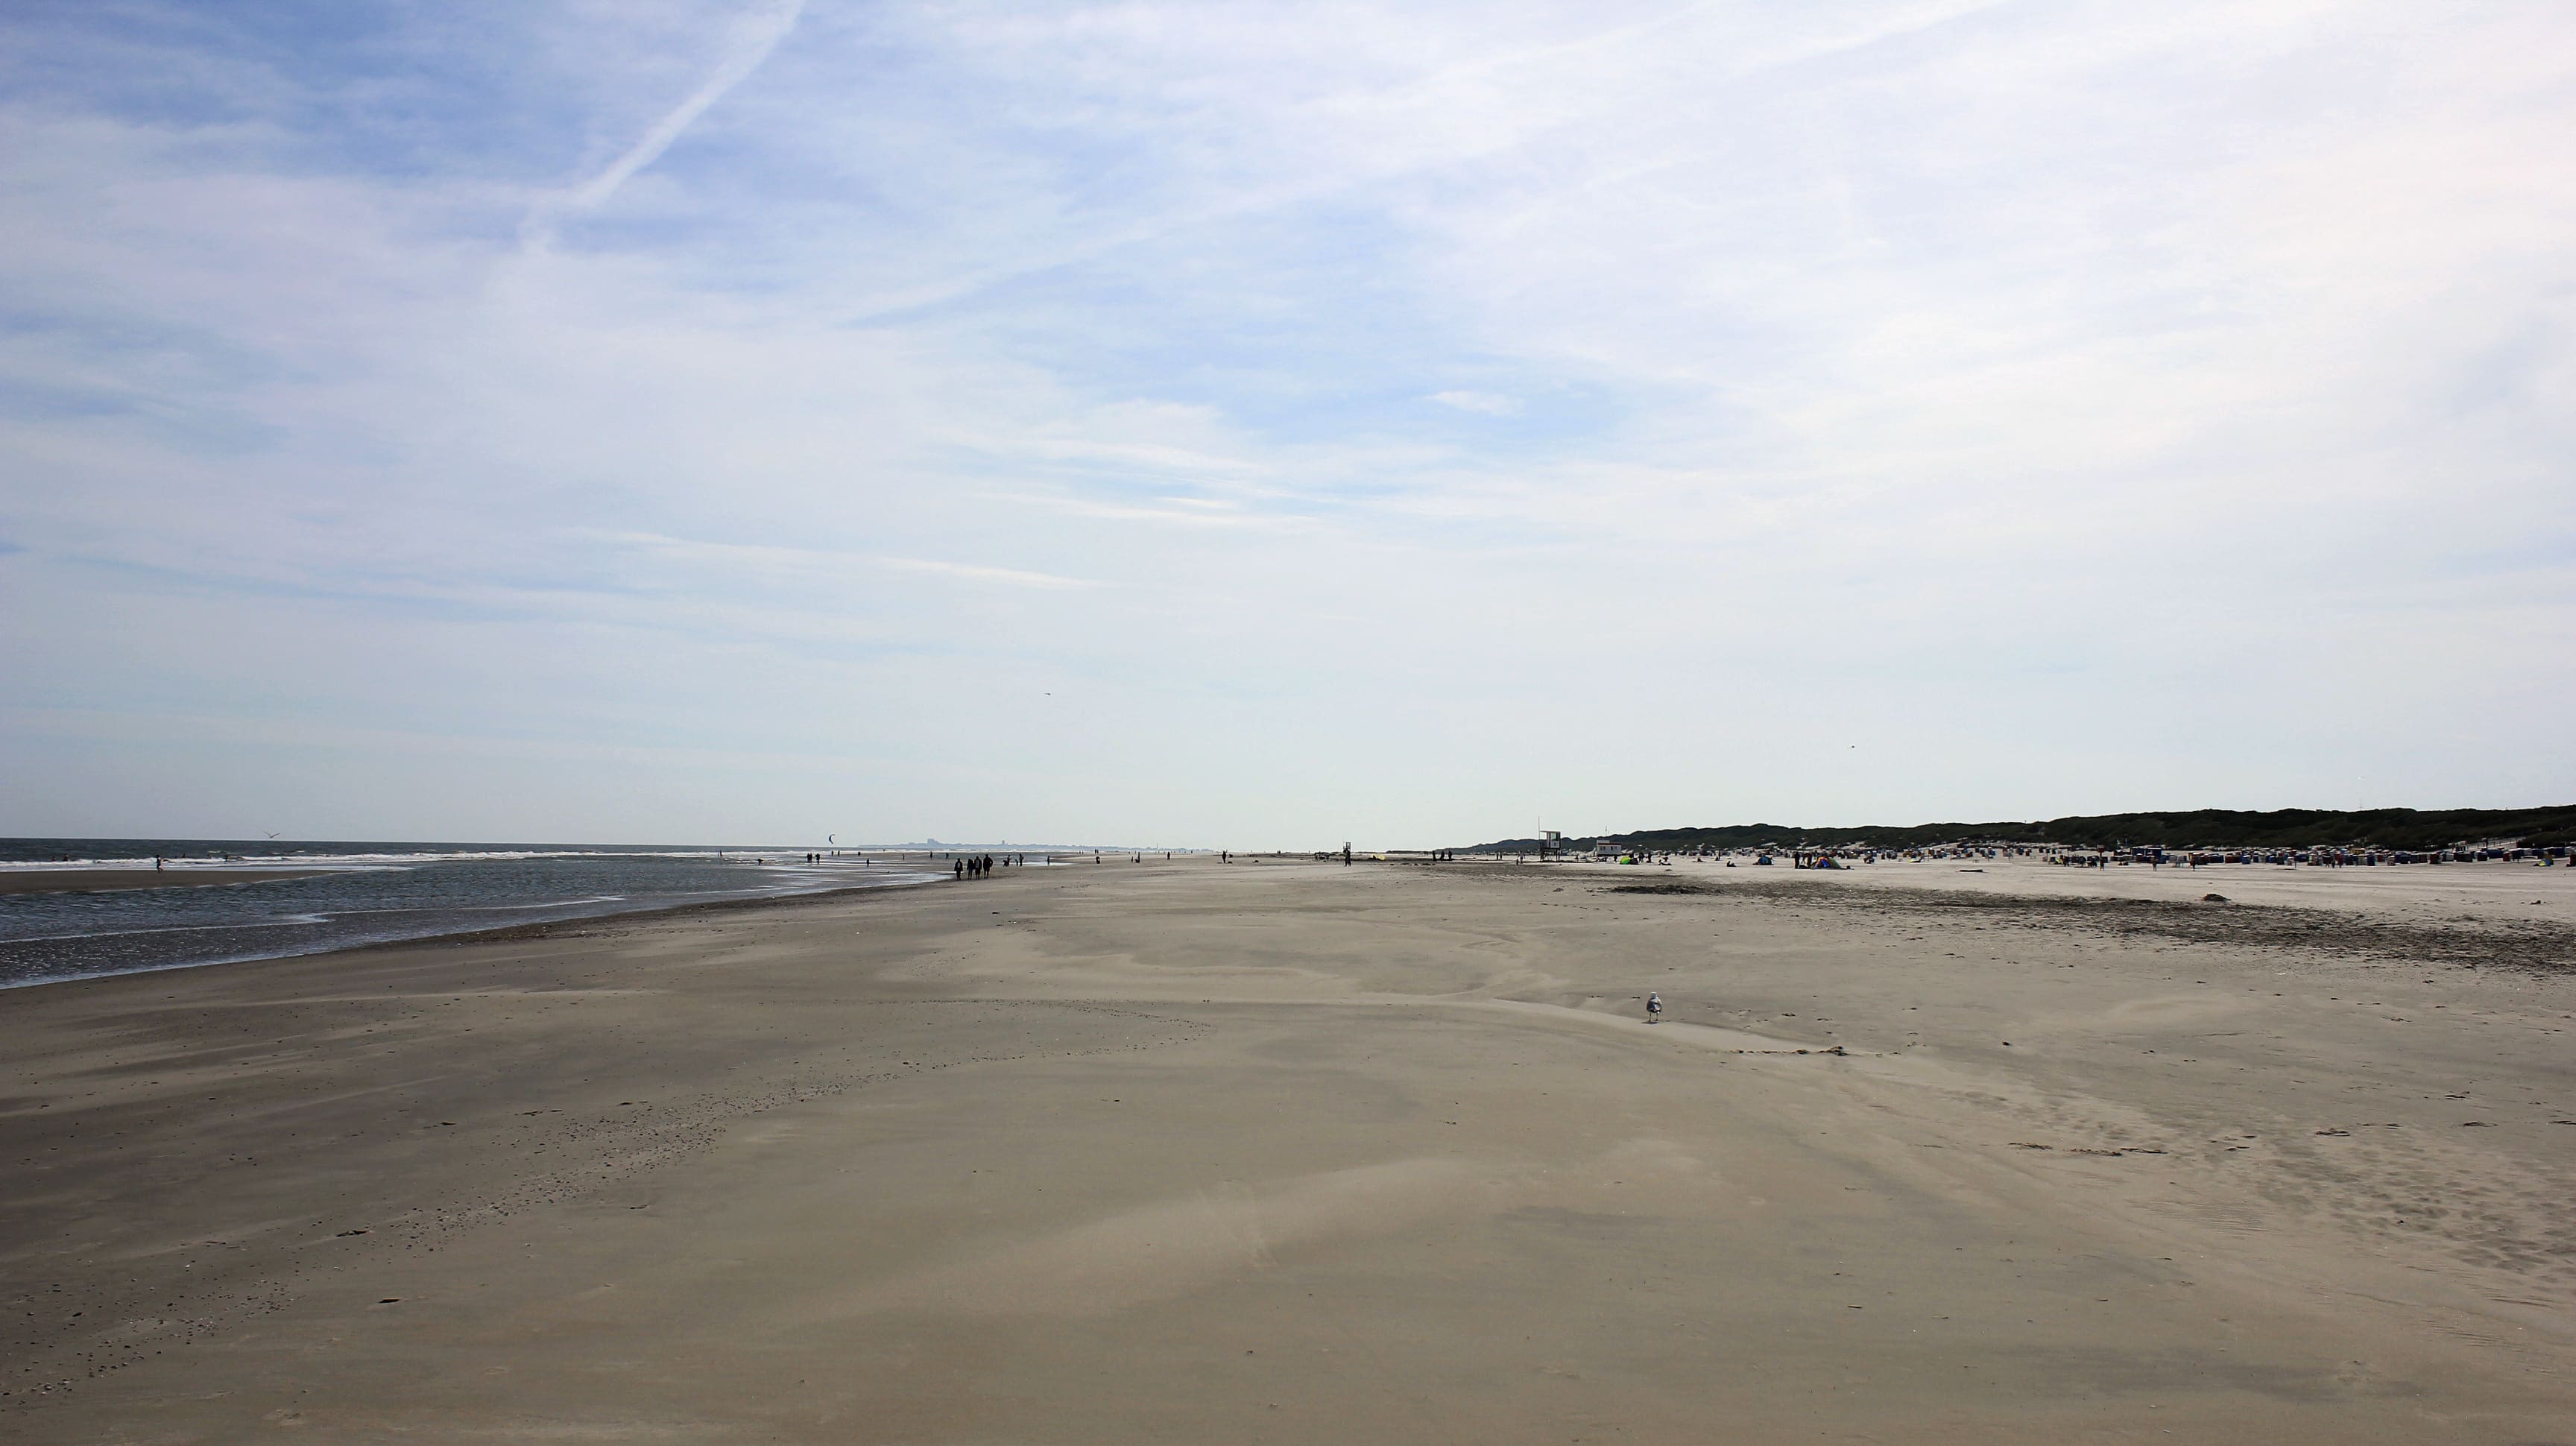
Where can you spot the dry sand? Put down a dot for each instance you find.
(1294, 1152)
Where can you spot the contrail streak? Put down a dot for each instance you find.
(756, 34)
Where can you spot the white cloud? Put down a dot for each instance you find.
(970, 572)
(1489, 403)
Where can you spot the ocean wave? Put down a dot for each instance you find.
(177, 862)
(282, 921)
(145, 930)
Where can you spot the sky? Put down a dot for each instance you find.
(1268, 425)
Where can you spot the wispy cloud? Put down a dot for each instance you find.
(1490, 403)
(1002, 576)
(762, 557)
(1190, 512)
(753, 35)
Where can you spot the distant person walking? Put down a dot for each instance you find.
(958, 869)
(1654, 1007)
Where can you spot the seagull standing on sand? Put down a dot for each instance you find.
(1654, 1007)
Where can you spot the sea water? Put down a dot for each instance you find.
(371, 893)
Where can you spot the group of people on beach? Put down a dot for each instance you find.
(976, 866)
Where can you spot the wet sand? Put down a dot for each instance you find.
(99, 881)
(1297, 1152)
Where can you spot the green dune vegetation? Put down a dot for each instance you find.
(2388, 828)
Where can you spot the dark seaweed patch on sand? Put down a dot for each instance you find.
(2535, 946)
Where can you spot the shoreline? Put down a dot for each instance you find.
(503, 933)
(547, 928)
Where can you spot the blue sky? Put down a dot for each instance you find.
(1251, 424)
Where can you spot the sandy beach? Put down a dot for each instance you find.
(1302, 1153)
